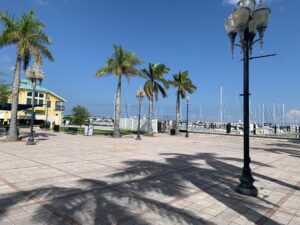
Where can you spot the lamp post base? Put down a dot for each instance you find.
(187, 135)
(138, 138)
(30, 141)
(246, 186)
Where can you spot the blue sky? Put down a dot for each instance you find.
(183, 34)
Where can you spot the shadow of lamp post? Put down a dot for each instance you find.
(247, 20)
(140, 94)
(35, 76)
(187, 116)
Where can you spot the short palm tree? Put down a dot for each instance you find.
(122, 63)
(27, 35)
(154, 85)
(183, 83)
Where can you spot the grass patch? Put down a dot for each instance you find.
(111, 132)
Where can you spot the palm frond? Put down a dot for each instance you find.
(148, 89)
(27, 34)
(183, 83)
(120, 63)
(44, 51)
(161, 90)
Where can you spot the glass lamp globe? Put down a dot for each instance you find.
(247, 3)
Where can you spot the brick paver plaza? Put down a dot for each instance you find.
(163, 180)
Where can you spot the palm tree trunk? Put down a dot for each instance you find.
(177, 112)
(118, 110)
(13, 127)
(150, 131)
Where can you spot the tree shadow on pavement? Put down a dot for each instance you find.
(146, 192)
(290, 147)
(216, 178)
(96, 202)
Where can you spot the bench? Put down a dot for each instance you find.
(71, 130)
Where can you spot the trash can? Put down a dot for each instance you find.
(56, 128)
(172, 132)
(88, 130)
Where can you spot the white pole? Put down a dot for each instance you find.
(274, 113)
(263, 115)
(283, 114)
(259, 113)
(201, 116)
(221, 105)
(237, 106)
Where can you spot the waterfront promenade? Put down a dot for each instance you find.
(161, 180)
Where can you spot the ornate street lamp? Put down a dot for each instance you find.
(35, 76)
(187, 116)
(247, 20)
(140, 94)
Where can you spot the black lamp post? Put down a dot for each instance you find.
(140, 94)
(35, 76)
(247, 20)
(187, 116)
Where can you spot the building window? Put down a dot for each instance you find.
(39, 98)
(48, 104)
(28, 101)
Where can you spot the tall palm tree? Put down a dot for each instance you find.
(28, 36)
(122, 63)
(154, 85)
(183, 83)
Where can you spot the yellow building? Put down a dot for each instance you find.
(50, 105)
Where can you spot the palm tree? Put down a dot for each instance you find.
(183, 83)
(27, 35)
(121, 63)
(154, 85)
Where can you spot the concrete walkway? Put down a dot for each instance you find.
(162, 180)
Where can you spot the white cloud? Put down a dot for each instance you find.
(12, 68)
(293, 114)
(42, 2)
(234, 2)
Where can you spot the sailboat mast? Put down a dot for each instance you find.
(263, 115)
(237, 106)
(221, 105)
(283, 114)
(259, 113)
(274, 113)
